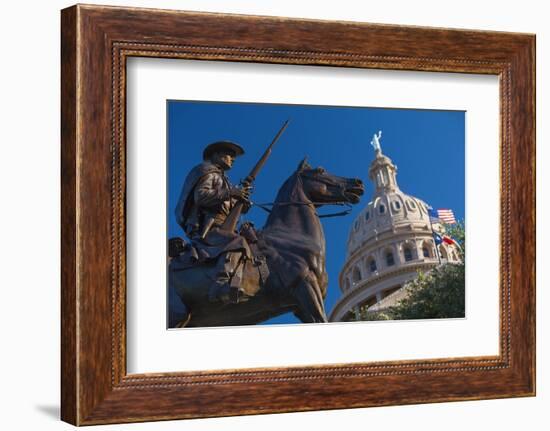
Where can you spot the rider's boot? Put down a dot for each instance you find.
(226, 288)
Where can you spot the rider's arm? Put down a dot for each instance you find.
(210, 192)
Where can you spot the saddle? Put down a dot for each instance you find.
(186, 255)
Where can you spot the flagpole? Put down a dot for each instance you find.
(433, 235)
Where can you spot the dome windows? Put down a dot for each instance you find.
(407, 253)
(397, 206)
(390, 261)
(427, 250)
(367, 215)
(371, 263)
(356, 275)
(381, 209)
(411, 205)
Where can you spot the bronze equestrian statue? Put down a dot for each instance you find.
(224, 277)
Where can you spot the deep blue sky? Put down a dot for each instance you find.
(426, 145)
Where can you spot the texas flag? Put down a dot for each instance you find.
(448, 240)
(445, 239)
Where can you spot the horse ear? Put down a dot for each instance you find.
(304, 164)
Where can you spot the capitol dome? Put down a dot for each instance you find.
(389, 242)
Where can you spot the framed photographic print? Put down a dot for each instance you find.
(251, 216)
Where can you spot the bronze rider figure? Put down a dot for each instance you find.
(206, 200)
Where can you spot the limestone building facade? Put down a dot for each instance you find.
(389, 242)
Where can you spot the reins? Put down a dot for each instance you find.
(265, 206)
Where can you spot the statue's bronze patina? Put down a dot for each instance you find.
(228, 277)
(206, 200)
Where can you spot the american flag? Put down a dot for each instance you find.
(441, 215)
(446, 216)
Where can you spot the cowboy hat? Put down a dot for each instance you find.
(222, 146)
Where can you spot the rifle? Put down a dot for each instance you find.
(232, 219)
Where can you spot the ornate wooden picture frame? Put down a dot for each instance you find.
(96, 42)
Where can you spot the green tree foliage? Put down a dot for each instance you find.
(439, 293)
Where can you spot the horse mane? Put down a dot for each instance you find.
(288, 192)
(288, 189)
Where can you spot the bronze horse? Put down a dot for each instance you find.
(293, 244)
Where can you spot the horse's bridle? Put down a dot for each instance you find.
(348, 210)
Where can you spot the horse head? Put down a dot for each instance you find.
(323, 187)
